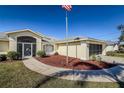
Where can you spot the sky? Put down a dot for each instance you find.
(98, 22)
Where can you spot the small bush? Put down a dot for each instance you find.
(116, 51)
(110, 53)
(3, 57)
(41, 53)
(12, 55)
(93, 57)
(121, 51)
(56, 53)
(98, 58)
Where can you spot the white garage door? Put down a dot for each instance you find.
(62, 50)
(73, 50)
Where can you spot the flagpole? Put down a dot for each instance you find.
(66, 37)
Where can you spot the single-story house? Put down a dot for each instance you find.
(28, 42)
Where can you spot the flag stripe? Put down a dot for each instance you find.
(67, 7)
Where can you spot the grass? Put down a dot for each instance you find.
(119, 55)
(15, 74)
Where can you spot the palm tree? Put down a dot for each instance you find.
(121, 28)
(121, 38)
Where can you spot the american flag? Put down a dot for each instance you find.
(67, 7)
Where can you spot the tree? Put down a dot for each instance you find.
(121, 28)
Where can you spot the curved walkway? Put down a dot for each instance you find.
(114, 74)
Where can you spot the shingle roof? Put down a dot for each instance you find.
(79, 38)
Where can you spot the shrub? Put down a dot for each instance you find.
(56, 53)
(12, 55)
(110, 53)
(121, 51)
(41, 53)
(116, 51)
(3, 57)
(93, 57)
(98, 58)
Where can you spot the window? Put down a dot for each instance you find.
(95, 49)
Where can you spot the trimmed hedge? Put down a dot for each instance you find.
(3, 57)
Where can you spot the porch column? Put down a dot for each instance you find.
(12, 44)
(55, 47)
(85, 51)
(38, 44)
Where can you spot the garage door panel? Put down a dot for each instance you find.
(73, 51)
(62, 50)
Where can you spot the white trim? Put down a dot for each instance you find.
(22, 50)
(23, 56)
(31, 49)
(18, 31)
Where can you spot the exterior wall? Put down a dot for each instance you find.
(77, 49)
(13, 40)
(39, 44)
(12, 43)
(4, 47)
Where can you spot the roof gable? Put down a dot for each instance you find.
(19, 31)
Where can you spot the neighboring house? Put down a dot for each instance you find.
(27, 43)
(111, 46)
(121, 46)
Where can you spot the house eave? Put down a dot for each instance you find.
(23, 31)
(38, 34)
(80, 40)
(3, 39)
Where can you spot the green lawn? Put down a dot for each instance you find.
(15, 74)
(119, 55)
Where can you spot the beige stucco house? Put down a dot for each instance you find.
(28, 42)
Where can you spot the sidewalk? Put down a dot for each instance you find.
(106, 75)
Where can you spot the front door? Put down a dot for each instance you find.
(27, 50)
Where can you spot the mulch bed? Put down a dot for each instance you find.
(74, 63)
